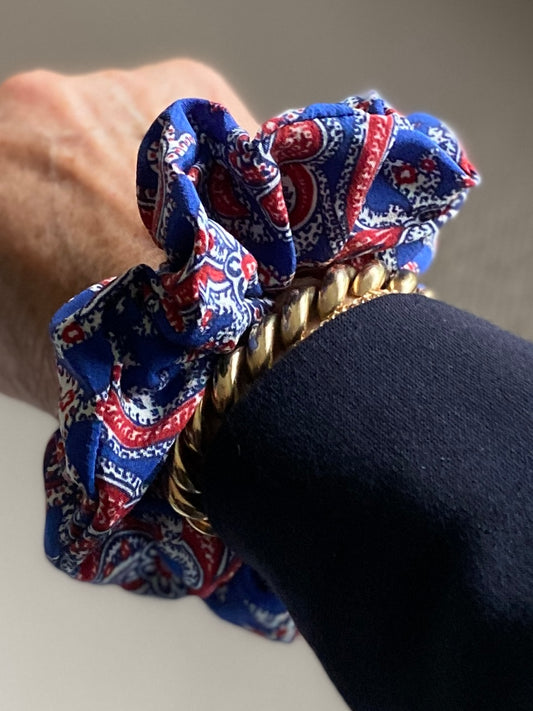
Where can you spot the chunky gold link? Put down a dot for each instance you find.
(225, 378)
(297, 313)
(371, 277)
(191, 435)
(180, 470)
(260, 347)
(182, 503)
(404, 282)
(333, 290)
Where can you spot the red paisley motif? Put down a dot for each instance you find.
(132, 435)
(72, 333)
(370, 240)
(67, 399)
(186, 292)
(203, 241)
(405, 174)
(211, 551)
(297, 141)
(248, 266)
(113, 503)
(274, 205)
(303, 204)
(222, 194)
(376, 141)
(471, 179)
(249, 166)
(194, 175)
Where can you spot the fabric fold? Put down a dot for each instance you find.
(235, 217)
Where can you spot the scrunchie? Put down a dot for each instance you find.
(235, 217)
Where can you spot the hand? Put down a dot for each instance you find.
(68, 147)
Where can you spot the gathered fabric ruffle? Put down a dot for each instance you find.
(235, 217)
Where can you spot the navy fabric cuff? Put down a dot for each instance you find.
(380, 479)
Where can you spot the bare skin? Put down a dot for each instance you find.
(68, 147)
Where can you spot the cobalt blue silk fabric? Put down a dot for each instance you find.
(235, 218)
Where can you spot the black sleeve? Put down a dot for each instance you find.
(380, 479)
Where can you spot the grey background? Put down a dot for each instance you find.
(467, 61)
(66, 645)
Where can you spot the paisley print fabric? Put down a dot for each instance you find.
(235, 218)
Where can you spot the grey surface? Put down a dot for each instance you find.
(71, 646)
(65, 645)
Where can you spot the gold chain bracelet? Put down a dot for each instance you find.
(297, 312)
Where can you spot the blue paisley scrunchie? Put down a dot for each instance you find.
(235, 217)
